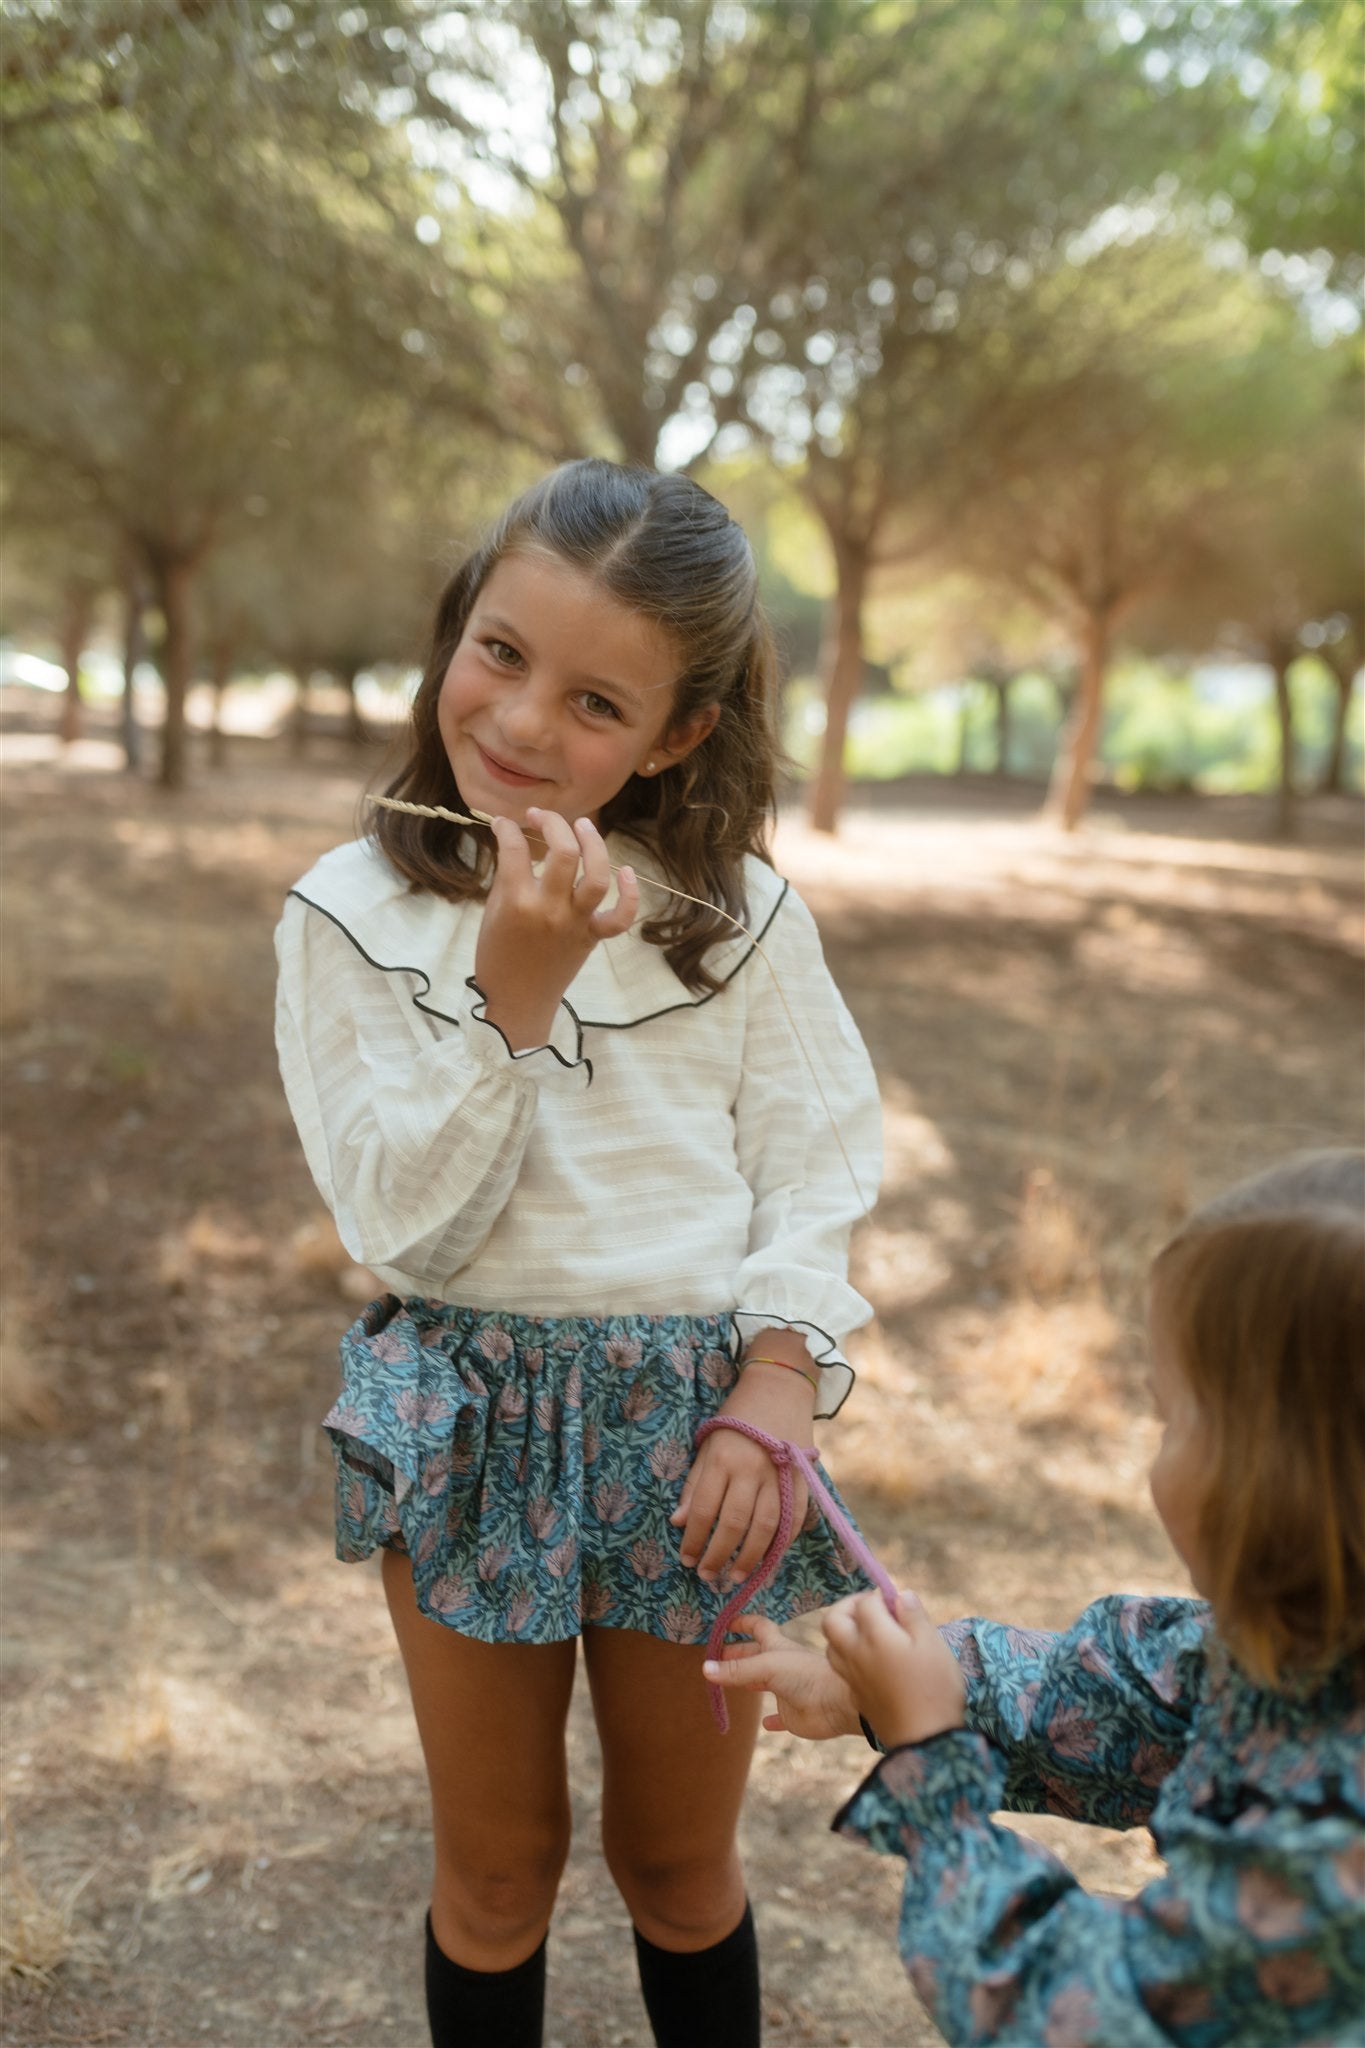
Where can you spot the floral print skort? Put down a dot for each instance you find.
(528, 1466)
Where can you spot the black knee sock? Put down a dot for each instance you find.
(484, 2008)
(708, 1999)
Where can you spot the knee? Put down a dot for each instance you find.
(503, 1898)
(682, 1901)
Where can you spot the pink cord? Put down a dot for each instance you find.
(784, 1455)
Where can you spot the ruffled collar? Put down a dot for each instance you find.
(624, 981)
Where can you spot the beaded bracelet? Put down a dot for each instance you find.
(809, 1377)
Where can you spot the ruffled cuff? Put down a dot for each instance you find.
(559, 1063)
(836, 1375)
(924, 1789)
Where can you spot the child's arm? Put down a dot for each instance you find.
(791, 1286)
(1091, 1721)
(414, 1128)
(1256, 1934)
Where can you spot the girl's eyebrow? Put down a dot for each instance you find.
(492, 622)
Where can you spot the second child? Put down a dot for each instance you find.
(1233, 1725)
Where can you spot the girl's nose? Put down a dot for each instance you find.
(524, 715)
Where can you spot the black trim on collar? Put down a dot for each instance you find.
(398, 967)
(583, 1023)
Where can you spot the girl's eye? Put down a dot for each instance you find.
(502, 653)
(599, 707)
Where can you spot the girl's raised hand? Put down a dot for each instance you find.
(902, 1675)
(811, 1701)
(539, 927)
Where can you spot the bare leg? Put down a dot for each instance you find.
(672, 1787)
(491, 1717)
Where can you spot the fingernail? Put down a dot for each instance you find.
(709, 1669)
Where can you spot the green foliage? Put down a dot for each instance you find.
(1160, 733)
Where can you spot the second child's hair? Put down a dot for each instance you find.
(1261, 1296)
(668, 550)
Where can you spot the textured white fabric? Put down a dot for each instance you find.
(664, 1154)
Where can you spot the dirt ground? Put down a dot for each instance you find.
(215, 1823)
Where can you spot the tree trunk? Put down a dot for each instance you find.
(356, 733)
(1343, 675)
(1001, 686)
(841, 669)
(220, 675)
(964, 730)
(1281, 659)
(1069, 791)
(134, 651)
(174, 582)
(80, 605)
(298, 716)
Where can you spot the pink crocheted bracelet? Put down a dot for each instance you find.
(784, 1455)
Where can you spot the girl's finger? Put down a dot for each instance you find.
(753, 1676)
(514, 855)
(839, 1613)
(560, 866)
(623, 913)
(767, 1512)
(594, 879)
(728, 1531)
(766, 1635)
(703, 1505)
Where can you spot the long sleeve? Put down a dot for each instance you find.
(1254, 1937)
(414, 1126)
(806, 1194)
(1090, 1722)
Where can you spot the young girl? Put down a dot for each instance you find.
(575, 1134)
(1235, 1729)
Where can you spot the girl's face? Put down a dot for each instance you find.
(1180, 1467)
(558, 693)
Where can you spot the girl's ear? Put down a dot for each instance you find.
(685, 737)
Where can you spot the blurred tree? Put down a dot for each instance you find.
(208, 231)
(1283, 161)
(1127, 453)
(1290, 578)
(755, 238)
(58, 556)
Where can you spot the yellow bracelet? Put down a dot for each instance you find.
(809, 1377)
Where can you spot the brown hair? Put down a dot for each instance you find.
(1262, 1297)
(666, 549)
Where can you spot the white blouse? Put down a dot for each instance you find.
(665, 1153)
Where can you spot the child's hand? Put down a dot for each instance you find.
(538, 929)
(731, 1501)
(900, 1672)
(811, 1701)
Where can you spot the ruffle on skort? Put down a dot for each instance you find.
(528, 1466)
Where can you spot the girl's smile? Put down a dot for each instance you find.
(557, 693)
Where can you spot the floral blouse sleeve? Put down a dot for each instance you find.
(1091, 1721)
(1255, 1935)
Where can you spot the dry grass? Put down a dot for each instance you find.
(40, 1932)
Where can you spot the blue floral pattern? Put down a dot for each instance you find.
(528, 1465)
(1254, 1937)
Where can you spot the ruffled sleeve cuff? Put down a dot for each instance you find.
(558, 1064)
(924, 1790)
(836, 1375)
